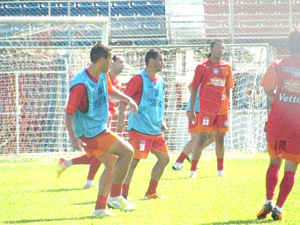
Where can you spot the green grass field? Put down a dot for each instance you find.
(31, 194)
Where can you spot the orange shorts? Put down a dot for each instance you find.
(194, 127)
(289, 150)
(209, 123)
(143, 144)
(100, 144)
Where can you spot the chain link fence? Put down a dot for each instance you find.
(176, 22)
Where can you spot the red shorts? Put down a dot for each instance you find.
(194, 127)
(143, 144)
(289, 150)
(100, 144)
(209, 123)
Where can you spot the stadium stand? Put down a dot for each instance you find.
(146, 22)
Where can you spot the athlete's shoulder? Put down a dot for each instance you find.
(224, 63)
(204, 63)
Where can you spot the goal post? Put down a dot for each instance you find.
(38, 57)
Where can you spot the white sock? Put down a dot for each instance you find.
(114, 198)
(278, 209)
(89, 182)
(268, 201)
(177, 164)
(68, 162)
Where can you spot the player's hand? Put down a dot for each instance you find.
(78, 144)
(192, 118)
(164, 127)
(120, 125)
(132, 105)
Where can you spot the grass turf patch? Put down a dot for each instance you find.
(31, 194)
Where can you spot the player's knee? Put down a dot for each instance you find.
(164, 159)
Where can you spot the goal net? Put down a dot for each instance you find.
(38, 59)
(38, 56)
(248, 109)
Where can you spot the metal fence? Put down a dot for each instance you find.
(176, 22)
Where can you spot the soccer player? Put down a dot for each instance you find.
(86, 122)
(193, 130)
(146, 127)
(115, 69)
(214, 76)
(281, 84)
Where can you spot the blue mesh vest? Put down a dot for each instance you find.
(151, 107)
(94, 121)
(197, 103)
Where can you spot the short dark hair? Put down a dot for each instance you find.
(99, 51)
(212, 44)
(116, 57)
(151, 54)
(294, 40)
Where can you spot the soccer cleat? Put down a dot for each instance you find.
(127, 197)
(120, 203)
(276, 215)
(154, 196)
(266, 209)
(193, 174)
(89, 185)
(221, 173)
(102, 213)
(62, 166)
(177, 166)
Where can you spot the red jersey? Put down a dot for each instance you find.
(78, 96)
(214, 80)
(134, 87)
(284, 117)
(112, 104)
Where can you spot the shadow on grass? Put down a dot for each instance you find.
(85, 203)
(62, 190)
(240, 222)
(187, 178)
(49, 220)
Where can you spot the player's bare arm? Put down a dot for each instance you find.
(164, 126)
(270, 93)
(120, 123)
(192, 116)
(75, 142)
(124, 98)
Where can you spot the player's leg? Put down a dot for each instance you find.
(124, 151)
(272, 177)
(163, 159)
(187, 149)
(221, 127)
(286, 187)
(64, 163)
(126, 184)
(105, 182)
(198, 148)
(219, 139)
(94, 166)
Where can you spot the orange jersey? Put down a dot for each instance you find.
(215, 80)
(284, 117)
(113, 104)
